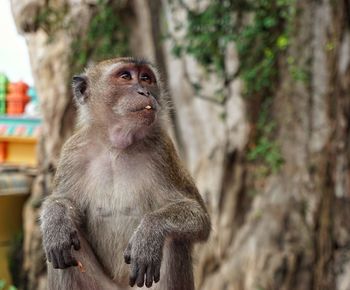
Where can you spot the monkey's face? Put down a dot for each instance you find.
(122, 96)
(131, 93)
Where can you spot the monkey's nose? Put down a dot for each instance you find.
(144, 92)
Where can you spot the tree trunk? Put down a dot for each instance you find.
(276, 224)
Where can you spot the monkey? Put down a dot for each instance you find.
(124, 211)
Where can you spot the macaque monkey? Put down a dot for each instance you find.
(124, 211)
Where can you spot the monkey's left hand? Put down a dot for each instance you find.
(144, 253)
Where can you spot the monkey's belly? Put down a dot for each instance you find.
(112, 234)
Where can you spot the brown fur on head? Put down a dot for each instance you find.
(122, 97)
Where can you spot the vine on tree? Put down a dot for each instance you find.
(106, 36)
(260, 30)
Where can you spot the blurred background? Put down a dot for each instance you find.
(261, 117)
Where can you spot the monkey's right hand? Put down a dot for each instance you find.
(58, 247)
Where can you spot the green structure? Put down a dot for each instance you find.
(3, 92)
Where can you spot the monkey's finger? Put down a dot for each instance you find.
(60, 260)
(127, 257)
(149, 276)
(133, 274)
(54, 261)
(141, 276)
(157, 272)
(75, 241)
(48, 256)
(127, 254)
(69, 260)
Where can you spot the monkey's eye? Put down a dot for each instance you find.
(145, 78)
(126, 75)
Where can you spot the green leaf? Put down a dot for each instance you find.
(2, 284)
(282, 41)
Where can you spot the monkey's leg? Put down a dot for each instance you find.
(177, 273)
(90, 276)
(183, 222)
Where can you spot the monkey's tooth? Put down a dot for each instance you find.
(148, 107)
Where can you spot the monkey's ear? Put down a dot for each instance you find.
(79, 85)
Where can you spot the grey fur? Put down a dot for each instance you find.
(137, 205)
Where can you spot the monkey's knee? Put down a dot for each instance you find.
(75, 279)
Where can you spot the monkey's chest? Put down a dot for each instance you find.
(119, 200)
(120, 192)
(109, 231)
(118, 206)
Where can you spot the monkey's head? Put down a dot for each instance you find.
(121, 97)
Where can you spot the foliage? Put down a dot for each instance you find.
(260, 30)
(260, 44)
(265, 149)
(297, 73)
(15, 258)
(52, 19)
(3, 286)
(106, 36)
(15, 262)
(262, 41)
(208, 33)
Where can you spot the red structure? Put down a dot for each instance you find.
(17, 98)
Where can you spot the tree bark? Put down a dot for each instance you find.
(287, 230)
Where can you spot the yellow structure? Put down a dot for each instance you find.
(20, 150)
(11, 206)
(18, 139)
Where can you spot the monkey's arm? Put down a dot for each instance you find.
(183, 220)
(59, 223)
(185, 217)
(62, 213)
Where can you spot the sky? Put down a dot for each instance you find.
(14, 58)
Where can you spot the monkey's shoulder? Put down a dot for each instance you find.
(77, 148)
(174, 170)
(78, 141)
(73, 158)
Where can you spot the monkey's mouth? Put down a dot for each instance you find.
(148, 108)
(145, 114)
